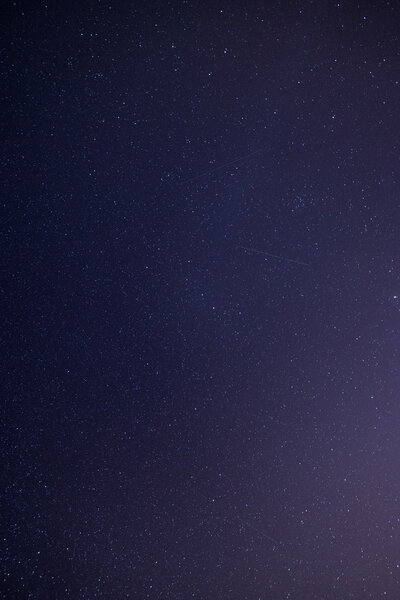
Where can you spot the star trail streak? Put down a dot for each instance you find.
(268, 254)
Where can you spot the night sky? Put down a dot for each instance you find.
(201, 300)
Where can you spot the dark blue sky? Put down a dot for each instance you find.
(200, 267)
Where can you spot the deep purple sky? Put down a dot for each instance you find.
(200, 266)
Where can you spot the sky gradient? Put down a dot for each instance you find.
(201, 290)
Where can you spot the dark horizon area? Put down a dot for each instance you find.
(201, 296)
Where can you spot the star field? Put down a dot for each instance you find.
(201, 293)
